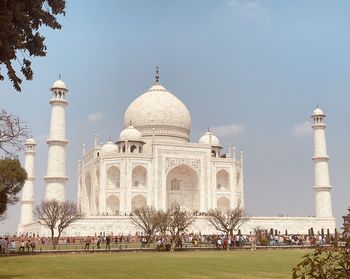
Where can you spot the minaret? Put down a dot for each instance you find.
(27, 199)
(322, 187)
(56, 177)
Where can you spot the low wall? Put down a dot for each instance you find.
(121, 225)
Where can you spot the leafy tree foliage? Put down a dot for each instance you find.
(12, 178)
(57, 215)
(324, 264)
(20, 39)
(12, 133)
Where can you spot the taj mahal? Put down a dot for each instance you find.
(153, 162)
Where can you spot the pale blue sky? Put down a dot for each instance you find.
(257, 66)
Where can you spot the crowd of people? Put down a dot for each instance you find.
(8, 246)
(28, 244)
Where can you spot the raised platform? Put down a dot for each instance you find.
(121, 225)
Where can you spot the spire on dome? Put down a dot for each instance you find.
(59, 76)
(157, 75)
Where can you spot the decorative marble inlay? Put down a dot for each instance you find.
(222, 168)
(136, 164)
(174, 162)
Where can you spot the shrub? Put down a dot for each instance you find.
(324, 264)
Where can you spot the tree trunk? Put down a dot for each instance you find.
(173, 244)
(53, 239)
(230, 234)
(58, 237)
(149, 236)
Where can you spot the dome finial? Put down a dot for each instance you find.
(157, 75)
(59, 76)
(130, 122)
(208, 129)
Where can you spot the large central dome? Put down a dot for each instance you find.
(158, 112)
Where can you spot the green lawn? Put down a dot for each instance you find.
(164, 265)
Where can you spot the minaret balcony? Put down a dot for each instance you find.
(58, 102)
(55, 178)
(57, 142)
(322, 188)
(319, 125)
(320, 158)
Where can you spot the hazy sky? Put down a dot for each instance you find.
(257, 67)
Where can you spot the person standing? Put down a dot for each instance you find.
(13, 246)
(21, 247)
(108, 243)
(28, 245)
(99, 242)
(32, 245)
(87, 243)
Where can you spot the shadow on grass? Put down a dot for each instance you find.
(10, 276)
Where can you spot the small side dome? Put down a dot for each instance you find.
(59, 84)
(30, 141)
(130, 134)
(109, 148)
(318, 112)
(209, 137)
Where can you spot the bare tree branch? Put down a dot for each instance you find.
(12, 133)
(146, 218)
(228, 221)
(57, 215)
(176, 220)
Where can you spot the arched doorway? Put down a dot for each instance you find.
(223, 204)
(182, 187)
(139, 177)
(112, 203)
(138, 201)
(113, 178)
(222, 180)
(88, 190)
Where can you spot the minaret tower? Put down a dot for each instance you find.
(322, 186)
(56, 177)
(27, 199)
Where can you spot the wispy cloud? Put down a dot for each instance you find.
(252, 9)
(302, 129)
(95, 117)
(226, 131)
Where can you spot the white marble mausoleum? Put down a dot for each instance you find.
(153, 162)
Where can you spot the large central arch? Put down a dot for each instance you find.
(182, 187)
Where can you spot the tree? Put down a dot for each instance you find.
(176, 220)
(12, 133)
(228, 221)
(20, 21)
(147, 219)
(12, 178)
(324, 264)
(57, 215)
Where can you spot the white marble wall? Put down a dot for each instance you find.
(122, 225)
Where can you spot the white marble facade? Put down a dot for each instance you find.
(154, 163)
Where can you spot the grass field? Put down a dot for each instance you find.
(191, 265)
